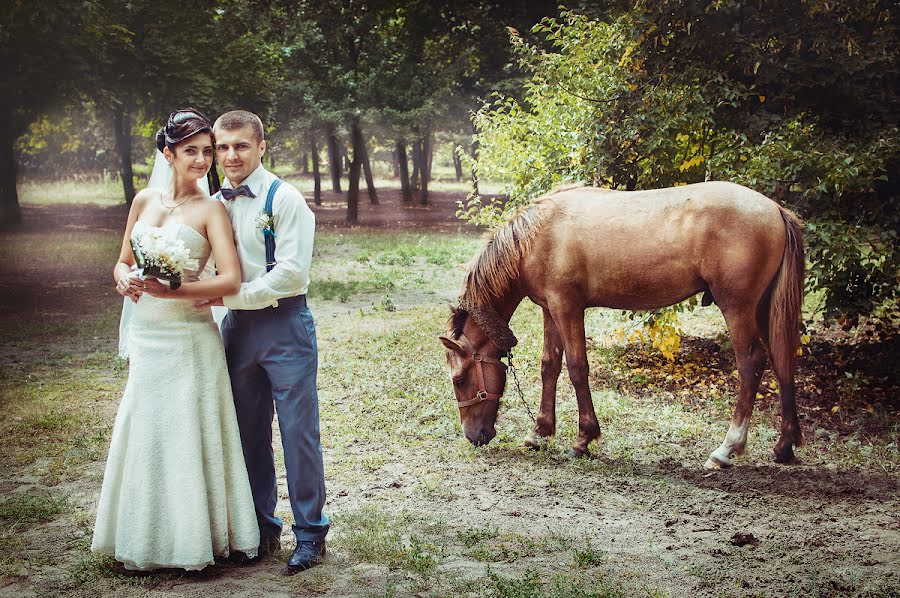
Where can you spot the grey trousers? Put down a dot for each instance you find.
(272, 359)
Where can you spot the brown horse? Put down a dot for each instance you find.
(584, 247)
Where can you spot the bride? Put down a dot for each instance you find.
(175, 493)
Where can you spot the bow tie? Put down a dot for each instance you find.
(230, 194)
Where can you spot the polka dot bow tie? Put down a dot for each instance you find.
(230, 194)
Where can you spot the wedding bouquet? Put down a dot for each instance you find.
(162, 258)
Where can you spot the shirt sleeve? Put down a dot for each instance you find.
(295, 226)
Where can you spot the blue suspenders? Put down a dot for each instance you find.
(269, 233)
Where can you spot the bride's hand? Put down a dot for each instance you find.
(156, 289)
(130, 286)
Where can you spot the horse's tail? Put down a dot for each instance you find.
(787, 297)
(785, 306)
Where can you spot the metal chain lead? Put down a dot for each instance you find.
(512, 370)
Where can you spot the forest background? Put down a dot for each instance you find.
(796, 100)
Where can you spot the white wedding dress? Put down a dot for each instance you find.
(175, 493)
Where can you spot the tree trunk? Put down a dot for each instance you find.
(396, 164)
(317, 179)
(271, 160)
(417, 161)
(212, 177)
(304, 159)
(425, 170)
(334, 162)
(122, 128)
(355, 166)
(367, 170)
(457, 163)
(403, 170)
(10, 214)
(474, 153)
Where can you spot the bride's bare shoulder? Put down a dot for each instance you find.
(213, 207)
(144, 196)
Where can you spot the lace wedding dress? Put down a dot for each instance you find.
(175, 492)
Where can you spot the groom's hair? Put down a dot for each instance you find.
(238, 119)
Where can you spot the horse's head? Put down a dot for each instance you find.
(475, 342)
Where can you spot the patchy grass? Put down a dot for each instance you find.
(19, 511)
(388, 263)
(375, 537)
(104, 191)
(416, 508)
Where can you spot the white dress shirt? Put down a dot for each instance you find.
(294, 228)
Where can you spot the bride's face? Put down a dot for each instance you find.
(192, 157)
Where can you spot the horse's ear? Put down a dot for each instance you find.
(458, 319)
(451, 344)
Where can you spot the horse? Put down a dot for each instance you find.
(579, 247)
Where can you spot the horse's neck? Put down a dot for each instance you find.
(506, 306)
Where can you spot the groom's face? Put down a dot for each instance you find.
(238, 152)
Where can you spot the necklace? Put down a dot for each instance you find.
(172, 209)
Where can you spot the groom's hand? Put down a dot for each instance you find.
(217, 302)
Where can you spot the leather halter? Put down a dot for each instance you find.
(483, 394)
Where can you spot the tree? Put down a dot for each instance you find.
(163, 61)
(46, 49)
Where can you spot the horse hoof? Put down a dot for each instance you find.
(532, 441)
(577, 454)
(714, 463)
(785, 457)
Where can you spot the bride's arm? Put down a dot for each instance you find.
(127, 285)
(228, 278)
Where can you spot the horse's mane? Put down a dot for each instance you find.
(493, 270)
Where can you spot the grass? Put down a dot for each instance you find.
(107, 190)
(19, 511)
(103, 191)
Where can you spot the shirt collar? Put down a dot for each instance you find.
(255, 182)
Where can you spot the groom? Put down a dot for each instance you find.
(270, 338)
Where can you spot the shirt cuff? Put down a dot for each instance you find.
(232, 302)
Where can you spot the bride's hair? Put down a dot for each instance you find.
(182, 124)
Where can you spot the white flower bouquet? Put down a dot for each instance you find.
(162, 258)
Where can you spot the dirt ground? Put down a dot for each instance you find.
(496, 517)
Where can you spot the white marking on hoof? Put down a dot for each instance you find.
(722, 454)
(533, 440)
(713, 463)
(735, 443)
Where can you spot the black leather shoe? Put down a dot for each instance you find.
(307, 554)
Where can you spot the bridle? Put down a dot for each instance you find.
(481, 395)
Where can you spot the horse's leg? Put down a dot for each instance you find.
(783, 367)
(750, 354)
(551, 365)
(570, 323)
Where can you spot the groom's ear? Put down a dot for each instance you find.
(262, 147)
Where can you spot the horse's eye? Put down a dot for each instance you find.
(459, 380)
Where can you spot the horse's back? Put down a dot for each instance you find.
(645, 249)
(712, 195)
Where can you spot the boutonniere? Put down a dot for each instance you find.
(266, 223)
